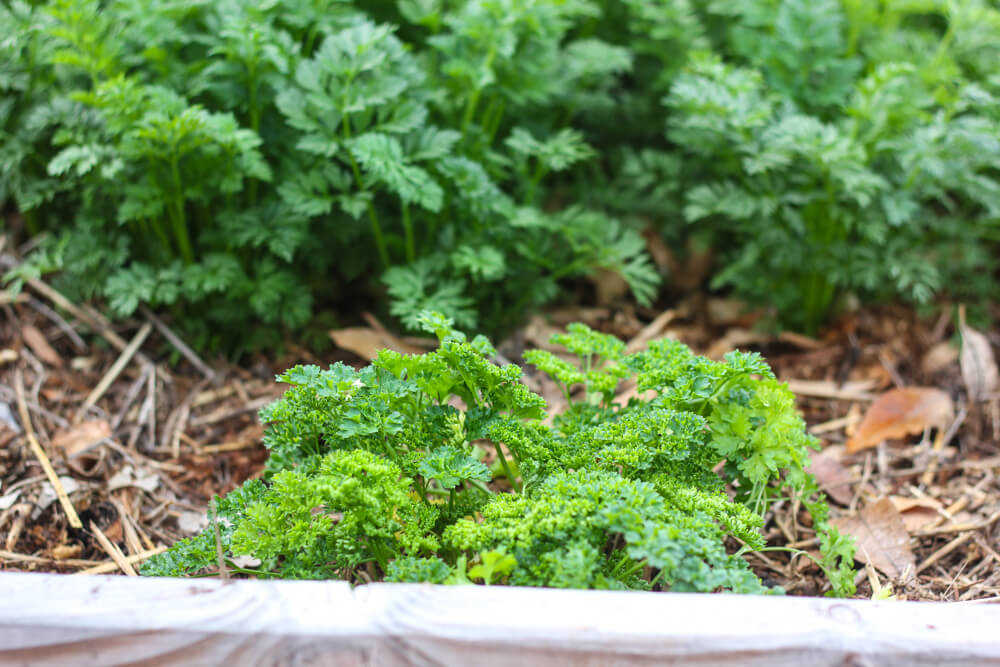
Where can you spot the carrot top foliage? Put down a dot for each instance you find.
(232, 161)
(250, 163)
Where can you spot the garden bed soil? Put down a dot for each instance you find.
(114, 437)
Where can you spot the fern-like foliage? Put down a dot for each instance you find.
(232, 162)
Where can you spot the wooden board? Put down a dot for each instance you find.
(77, 620)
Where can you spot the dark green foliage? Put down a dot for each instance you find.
(197, 553)
(233, 161)
(239, 162)
(377, 471)
(842, 147)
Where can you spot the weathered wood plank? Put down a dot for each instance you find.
(66, 620)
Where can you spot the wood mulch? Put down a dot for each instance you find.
(114, 437)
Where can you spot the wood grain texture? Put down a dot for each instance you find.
(77, 621)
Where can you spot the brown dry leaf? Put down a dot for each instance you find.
(726, 312)
(537, 333)
(979, 367)
(659, 251)
(734, 339)
(917, 513)
(609, 287)
(853, 418)
(833, 478)
(880, 538)
(938, 358)
(366, 342)
(853, 390)
(901, 412)
(81, 436)
(685, 274)
(801, 341)
(629, 390)
(64, 551)
(114, 532)
(592, 316)
(654, 329)
(36, 341)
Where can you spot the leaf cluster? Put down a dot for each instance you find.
(844, 148)
(241, 163)
(445, 467)
(827, 151)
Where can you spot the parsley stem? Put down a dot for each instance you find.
(379, 551)
(481, 486)
(506, 468)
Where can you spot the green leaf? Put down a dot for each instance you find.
(493, 565)
(450, 467)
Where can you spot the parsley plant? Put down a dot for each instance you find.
(380, 473)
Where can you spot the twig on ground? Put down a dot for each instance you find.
(942, 440)
(959, 527)
(866, 473)
(116, 368)
(94, 320)
(113, 551)
(835, 424)
(105, 568)
(60, 322)
(850, 391)
(130, 396)
(41, 560)
(177, 421)
(944, 551)
(226, 413)
(8, 394)
(40, 454)
(176, 341)
(151, 393)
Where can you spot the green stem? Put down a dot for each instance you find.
(31, 222)
(310, 40)
(492, 119)
(621, 563)
(481, 486)
(536, 178)
(383, 251)
(795, 552)
(178, 221)
(153, 226)
(379, 551)
(411, 253)
(254, 124)
(470, 107)
(506, 468)
(854, 31)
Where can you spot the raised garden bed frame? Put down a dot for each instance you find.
(48, 619)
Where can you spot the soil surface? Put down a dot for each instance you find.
(113, 438)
